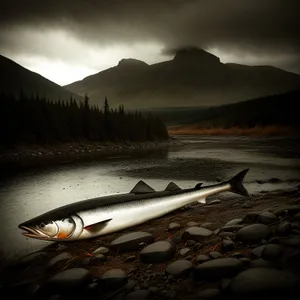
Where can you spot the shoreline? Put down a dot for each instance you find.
(193, 239)
(36, 155)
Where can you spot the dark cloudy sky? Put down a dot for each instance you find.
(68, 40)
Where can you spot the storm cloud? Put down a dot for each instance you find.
(93, 35)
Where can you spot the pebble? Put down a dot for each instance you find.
(267, 218)
(217, 201)
(215, 254)
(271, 251)
(248, 204)
(209, 225)
(201, 258)
(27, 260)
(218, 269)
(192, 224)
(284, 228)
(257, 281)
(196, 233)
(157, 252)
(190, 243)
(231, 228)
(113, 279)
(239, 254)
(234, 222)
(131, 241)
(260, 262)
(257, 251)
(251, 217)
(174, 226)
(293, 240)
(227, 245)
(293, 209)
(68, 280)
(59, 259)
(225, 283)
(253, 234)
(97, 259)
(179, 268)
(101, 250)
(227, 234)
(184, 251)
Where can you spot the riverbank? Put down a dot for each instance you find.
(35, 155)
(257, 131)
(232, 248)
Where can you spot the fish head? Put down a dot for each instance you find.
(51, 228)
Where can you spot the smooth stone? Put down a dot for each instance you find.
(209, 225)
(138, 294)
(234, 222)
(213, 202)
(196, 233)
(97, 259)
(192, 224)
(253, 234)
(190, 243)
(197, 246)
(63, 257)
(175, 240)
(271, 251)
(27, 260)
(260, 262)
(248, 204)
(226, 234)
(227, 245)
(174, 226)
(284, 228)
(184, 251)
(201, 258)
(251, 217)
(231, 228)
(157, 252)
(245, 260)
(70, 280)
(217, 231)
(179, 268)
(259, 281)
(130, 258)
(257, 251)
(131, 241)
(101, 250)
(218, 269)
(215, 254)
(293, 209)
(113, 279)
(286, 241)
(208, 293)
(267, 218)
(239, 254)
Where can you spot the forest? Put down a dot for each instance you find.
(39, 121)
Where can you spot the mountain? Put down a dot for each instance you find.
(193, 77)
(279, 111)
(15, 78)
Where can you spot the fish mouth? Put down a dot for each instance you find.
(32, 233)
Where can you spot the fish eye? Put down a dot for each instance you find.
(42, 225)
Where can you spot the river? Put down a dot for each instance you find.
(201, 159)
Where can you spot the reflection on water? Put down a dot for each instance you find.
(31, 193)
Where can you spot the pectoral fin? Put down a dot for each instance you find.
(95, 226)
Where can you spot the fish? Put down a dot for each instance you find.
(108, 214)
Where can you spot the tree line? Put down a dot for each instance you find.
(37, 120)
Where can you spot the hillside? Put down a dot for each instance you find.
(193, 78)
(277, 113)
(15, 78)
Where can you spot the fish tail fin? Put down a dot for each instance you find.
(236, 183)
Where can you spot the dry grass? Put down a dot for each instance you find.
(270, 130)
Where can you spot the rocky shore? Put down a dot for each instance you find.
(37, 155)
(231, 248)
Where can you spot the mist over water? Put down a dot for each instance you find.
(200, 159)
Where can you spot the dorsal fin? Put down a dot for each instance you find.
(172, 187)
(142, 188)
(198, 185)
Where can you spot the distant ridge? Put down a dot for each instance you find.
(194, 77)
(15, 78)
